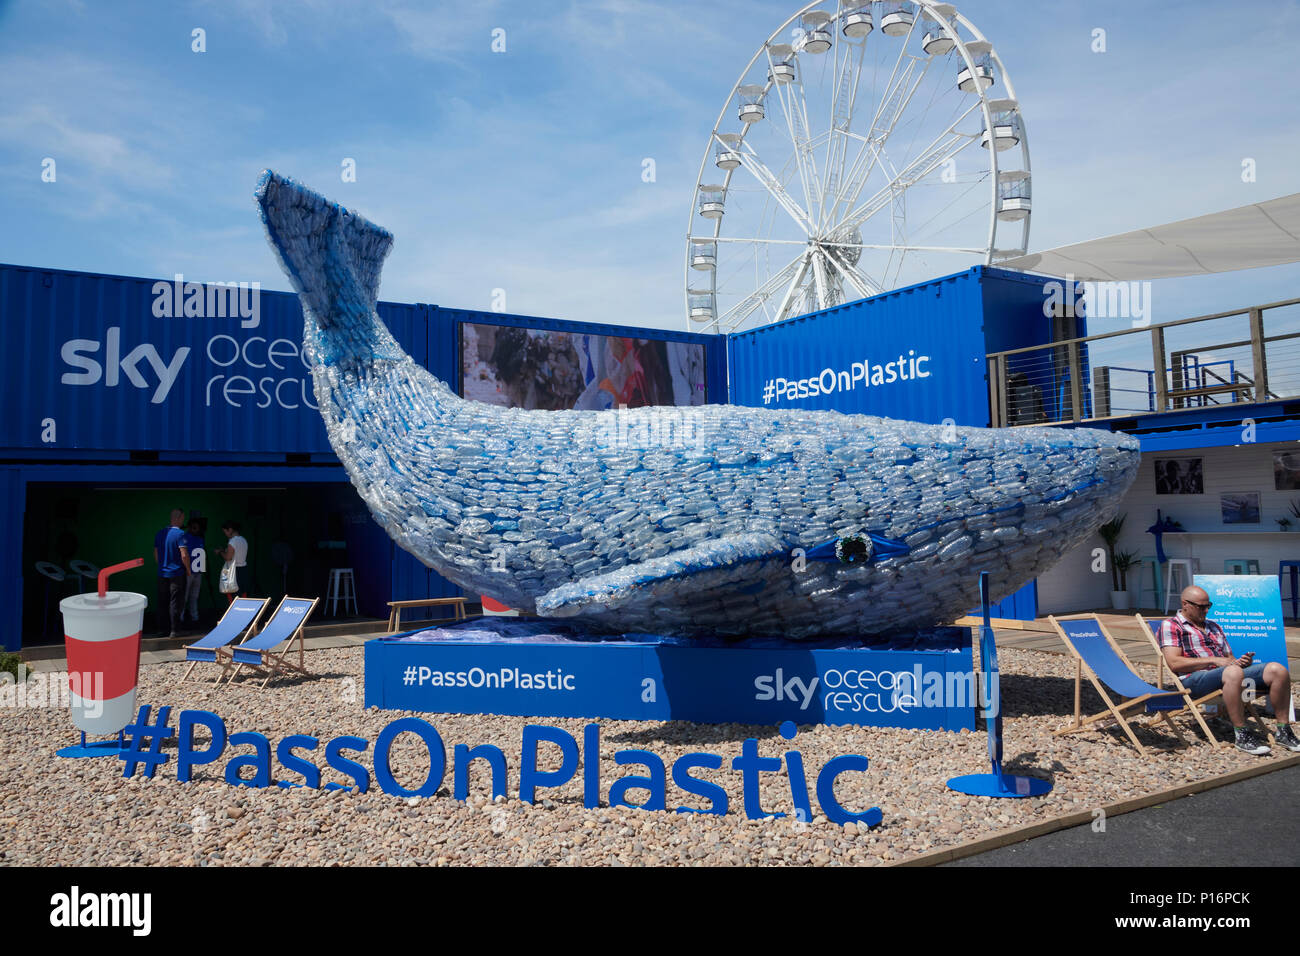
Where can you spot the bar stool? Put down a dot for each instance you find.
(1294, 568)
(342, 587)
(1241, 566)
(51, 572)
(1149, 562)
(1186, 567)
(84, 570)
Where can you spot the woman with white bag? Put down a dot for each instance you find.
(234, 575)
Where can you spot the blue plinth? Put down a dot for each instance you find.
(95, 748)
(999, 785)
(922, 681)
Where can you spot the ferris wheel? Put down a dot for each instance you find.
(866, 146)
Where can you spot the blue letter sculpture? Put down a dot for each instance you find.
(718, 520)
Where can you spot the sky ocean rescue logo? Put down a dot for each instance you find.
(254, 372)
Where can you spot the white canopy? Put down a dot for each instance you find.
(1261, 234)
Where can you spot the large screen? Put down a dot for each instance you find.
(539, 368)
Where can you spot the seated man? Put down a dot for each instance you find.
(1197, 651)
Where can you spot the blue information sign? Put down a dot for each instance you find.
(1249, 609)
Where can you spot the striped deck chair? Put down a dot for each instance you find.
(1098, 656)
(1214, 698)
(285, 627)
(240, 616)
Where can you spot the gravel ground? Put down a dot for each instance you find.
(84, 812)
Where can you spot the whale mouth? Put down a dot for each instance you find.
(1081, 463)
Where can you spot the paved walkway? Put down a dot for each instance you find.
(1240, 824)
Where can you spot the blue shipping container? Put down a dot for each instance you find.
(100, 367)
(916, 353)
(107, 364)
(119, 364)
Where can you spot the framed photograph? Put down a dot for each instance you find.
(1179, 476)
(1286, 470)
(1241, 508)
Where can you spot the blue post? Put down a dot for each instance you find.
(995, 783)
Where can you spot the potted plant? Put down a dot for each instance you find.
(1110, 533)
(1125, 561)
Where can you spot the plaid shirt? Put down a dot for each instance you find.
(1192, 641)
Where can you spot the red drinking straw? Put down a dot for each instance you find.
(103, 575)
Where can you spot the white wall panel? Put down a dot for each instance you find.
(1072, 585)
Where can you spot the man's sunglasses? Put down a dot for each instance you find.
(1203, 607)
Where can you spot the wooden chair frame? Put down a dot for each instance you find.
(1117, 711)
(221, 655)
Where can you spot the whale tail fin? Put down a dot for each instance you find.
(310, 234)
(334, 258)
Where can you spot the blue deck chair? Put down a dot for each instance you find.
(240, 616)
(284, 627)
(1213, 698)
(1096, 654)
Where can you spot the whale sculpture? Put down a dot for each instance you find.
(717, 520)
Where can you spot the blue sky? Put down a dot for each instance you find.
(522, 170)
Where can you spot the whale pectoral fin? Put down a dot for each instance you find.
(613, 588)
(307, 231)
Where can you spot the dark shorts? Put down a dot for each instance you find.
(244, 578)
(1201, 683)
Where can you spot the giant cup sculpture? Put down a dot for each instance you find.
(717, 520)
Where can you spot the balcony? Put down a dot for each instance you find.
(1211, 361)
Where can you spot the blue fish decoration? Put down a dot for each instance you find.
(713, 520)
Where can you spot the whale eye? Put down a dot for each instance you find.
(853, 549)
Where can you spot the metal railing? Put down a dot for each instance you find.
(1229, 358)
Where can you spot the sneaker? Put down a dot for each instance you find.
(1247, 741)
(1285, 736)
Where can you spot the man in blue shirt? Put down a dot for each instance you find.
(174, 569)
